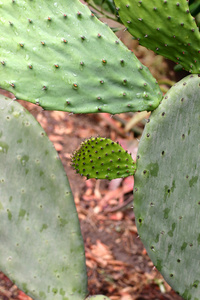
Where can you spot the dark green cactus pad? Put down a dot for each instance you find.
(166, 27)
(60, 56)
(41, 247)
(101, 158)
(167, 187)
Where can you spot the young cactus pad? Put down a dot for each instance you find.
(101, 158)
(166, 27)
(60, 56)
(167, 187)
(41, 247)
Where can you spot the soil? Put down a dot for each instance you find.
(117, 263)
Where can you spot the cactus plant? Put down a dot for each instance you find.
(167, 187)
(156, 26)
(103, 159)
(53, 72)
(50, 56)
(39, 232)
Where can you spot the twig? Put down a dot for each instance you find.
(121, 206)
(166, 82)
(137, 130)
(138, 117)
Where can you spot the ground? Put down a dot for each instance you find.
(117, 263)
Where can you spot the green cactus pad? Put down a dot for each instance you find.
(164, 26)
(167, 187)
(101, 158)
(60, 56)
(41, 247)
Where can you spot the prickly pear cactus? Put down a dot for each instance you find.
(101, 158)
(166, 27)
(60, 56)
(167, 187)
(41, 247)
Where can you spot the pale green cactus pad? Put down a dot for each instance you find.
(101, 158)
(164, 26)
(60, 56)
(41, 247)
(167, 187)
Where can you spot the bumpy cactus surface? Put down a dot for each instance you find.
(167, 187)
(60, 56)
(41, 247)
(164, 26)
(101, 158)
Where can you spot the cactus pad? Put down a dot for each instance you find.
(164, 26)
(41, 247)
(102, 158)
(60, 56)
(167, 187)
